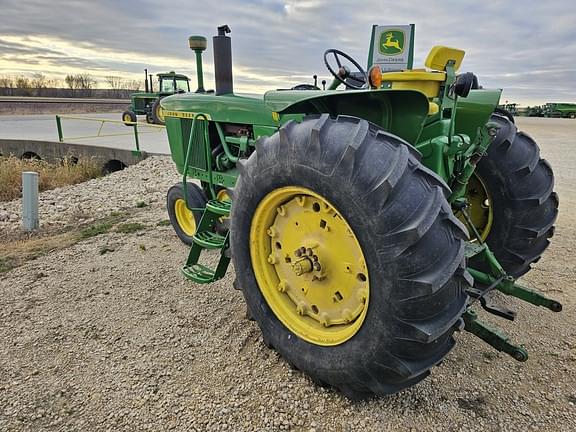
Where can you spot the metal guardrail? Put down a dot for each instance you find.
(33, 99)
(99, 134)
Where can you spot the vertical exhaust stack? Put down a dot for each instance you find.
(223, 61)
(146, 80)
(151, 86)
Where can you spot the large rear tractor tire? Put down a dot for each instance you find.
(348, 255)
(183, 220)
(514, 187)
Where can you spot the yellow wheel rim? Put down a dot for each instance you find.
(222, 195)
(160, 113)
(184, 217)
(481, 209)
(309, 266)
(127, 118)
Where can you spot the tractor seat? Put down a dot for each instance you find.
(416, 79)
(424, 80)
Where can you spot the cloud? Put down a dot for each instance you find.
(525, 47)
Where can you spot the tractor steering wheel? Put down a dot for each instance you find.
(344, 72)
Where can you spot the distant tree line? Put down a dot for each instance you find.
(73, 85)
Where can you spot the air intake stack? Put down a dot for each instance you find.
(198, 44)
(223, 61)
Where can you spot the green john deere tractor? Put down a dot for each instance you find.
(148, 102)
(560, 110)
(366, 225)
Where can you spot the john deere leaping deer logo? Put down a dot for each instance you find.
(391, 42)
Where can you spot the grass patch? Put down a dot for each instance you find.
(70, 171)
(15, 253)
(7, 264)
(102, 227)
(141, 204)
(129, 228)
(164, 222)
(16, 250)
(96, 229)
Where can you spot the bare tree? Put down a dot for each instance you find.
(6, 81)
(23, 83)
(82, 82)
(132, 85)
(24, 86)
(39, 83)
(85, 81)
(6, 85)
(70, 81)
(116, 83)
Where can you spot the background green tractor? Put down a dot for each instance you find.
(560, 110)
(148, 102)
(365, 225)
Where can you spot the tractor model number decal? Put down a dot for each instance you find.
(187, 115)
(391, 42)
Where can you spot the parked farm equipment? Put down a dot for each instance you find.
(364, 225)
(148, 102)
(563, 110)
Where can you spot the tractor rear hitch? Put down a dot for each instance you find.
(493, 336)
(486, 301)
(508, 286)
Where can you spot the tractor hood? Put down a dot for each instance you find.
(401, 112)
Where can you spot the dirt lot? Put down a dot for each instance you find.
(106, 335)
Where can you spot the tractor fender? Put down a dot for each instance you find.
(400, 112)
(475, 110)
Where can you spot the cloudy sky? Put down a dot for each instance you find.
(527, 47)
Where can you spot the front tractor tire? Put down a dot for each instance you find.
(514, 187)
(129, 117)
(348, 255)
(183, 220)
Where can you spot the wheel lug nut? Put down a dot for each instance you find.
(309, 251)
(282, 286)
(301, 308)
(315, 257)
(317, 266)
(302, 250)
(324, 319)
(298, 253)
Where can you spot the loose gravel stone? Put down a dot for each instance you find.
(122, 342)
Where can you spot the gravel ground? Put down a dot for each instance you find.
(121, 341)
